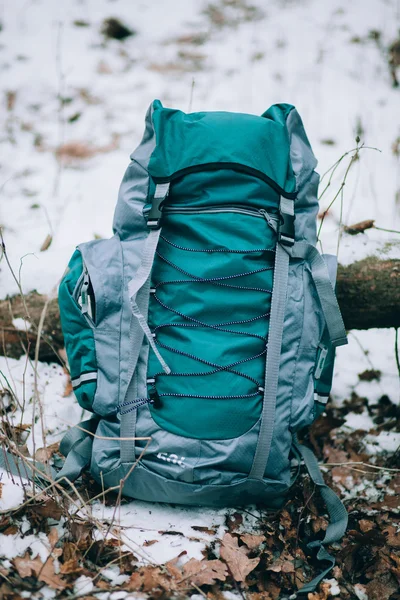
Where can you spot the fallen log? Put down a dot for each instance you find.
(368, 293)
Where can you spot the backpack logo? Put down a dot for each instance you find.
(172, 458)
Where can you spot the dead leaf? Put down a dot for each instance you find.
(359, 227)
(382, 588)
(204, 529)
(324, 592)
(10, 530)
(236, 558)
(365, 525)
(49, 576)
(47, 242)
(234, 521)
(149, 543)
(252, 541)
(281, 565)
(27, 566)
(204, 572)
(48, 509)
(392, 536)
(150, 578)
(68, 388)
(71, 567)
(43, 455)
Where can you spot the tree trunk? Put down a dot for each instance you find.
(368, 292)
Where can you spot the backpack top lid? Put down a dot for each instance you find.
(259, 146)
(273, 148)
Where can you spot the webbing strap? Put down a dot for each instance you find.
(326, 293)
(337, 515)
(147, 258)
(76, 446)
(128, 426)
(146, 330)
(139, 291)
(277, 314)
(27, 469)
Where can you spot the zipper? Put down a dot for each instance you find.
(217, 166)
(323, 352)
(84, 291)
(254, 212)
(85, 296)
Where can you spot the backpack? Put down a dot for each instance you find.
(202, 334)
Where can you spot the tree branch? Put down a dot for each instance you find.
(368, 293)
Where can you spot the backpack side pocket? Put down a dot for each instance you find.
(323, 374)
(77, 312)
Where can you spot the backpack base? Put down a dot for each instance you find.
(143, 484)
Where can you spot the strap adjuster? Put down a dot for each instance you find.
(286, 235)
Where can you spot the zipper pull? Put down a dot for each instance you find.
(321, 361)
(84, 291)
(271, 222)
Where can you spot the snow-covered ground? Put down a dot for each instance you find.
(65, 89)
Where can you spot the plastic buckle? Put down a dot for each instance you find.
(155, 213)
(286, 229)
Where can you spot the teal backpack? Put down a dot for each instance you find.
(202, 334)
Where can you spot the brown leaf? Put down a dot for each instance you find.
(366, 525)
(43, 455)
(393, 536)
(47, 242)
(324, 592)
(252, 541)
(390, 503)
(68, 388)
(203, 572)
(204, 529)
(285, 519)
(70, 567)
(381, 588)
(10, 530)
(236, 558)
(148, 579)
(49, 576)
(48, 509)
(281, 565)
(27, 566)
(234, 521)
(359, 227)
(149, 543)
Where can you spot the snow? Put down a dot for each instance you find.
(334, 589)
(83, 585)
(169, 527)
(305, 53)
(21, 324)
(360, 591)
(386, 441)
(361, 421)
(12, 493)
(114, 576)
(60, 412)
(15, 545)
